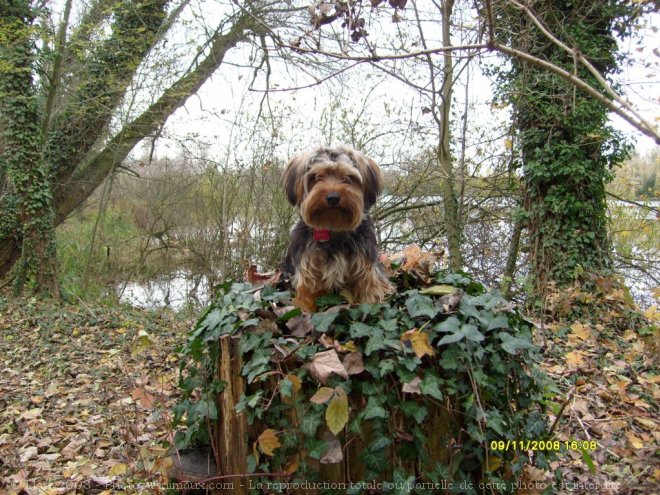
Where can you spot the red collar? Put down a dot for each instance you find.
(322, 235)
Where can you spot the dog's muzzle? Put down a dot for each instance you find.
(333, 199)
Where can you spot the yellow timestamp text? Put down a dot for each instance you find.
(523, 445)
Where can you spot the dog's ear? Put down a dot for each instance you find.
(372, 177)
(292, 179)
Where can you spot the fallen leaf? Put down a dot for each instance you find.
(582, 332)
(292, 465)
(27, 454)
(32, 413)
(336, 416)
(300, 325)
(353, 363)
(636, 442)
(333, 454)
(450, 302)
(419, 341)
(268, 442)
(323, 364)
(322, 395)
(145, 399)
(439, 290)
(118, 469)
(575, 359)
(413, 386)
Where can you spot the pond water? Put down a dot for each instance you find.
(184, 289)
(180, 290)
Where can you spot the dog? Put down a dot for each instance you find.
(333, 246)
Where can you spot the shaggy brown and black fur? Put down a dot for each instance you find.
(333, 246)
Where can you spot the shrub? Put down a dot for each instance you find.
(418, 389)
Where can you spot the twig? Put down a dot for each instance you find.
(561, 411)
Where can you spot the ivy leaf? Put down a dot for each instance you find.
(374, 409)
(471, 332)
(419, 305)
(375, 342)
(451, 338)
(512, 344)
(309, 424)
(268, 442)
(359, 329)
(499, 321)
(322, 321)
(418, 412)
(316, 448)
(451, 324)
(336, 416)
(430, 385)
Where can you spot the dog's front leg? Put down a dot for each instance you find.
(306, 298)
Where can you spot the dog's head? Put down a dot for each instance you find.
(332, 187)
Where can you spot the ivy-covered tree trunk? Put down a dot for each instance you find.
(568, 149)
(22, 159)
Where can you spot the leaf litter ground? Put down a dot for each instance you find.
(85, 396)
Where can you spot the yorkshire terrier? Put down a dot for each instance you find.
(333, 246)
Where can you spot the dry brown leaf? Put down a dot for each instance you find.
(322, 395)
(32, 413)
(145, 399)
(353, 363)
(575, 359)
(413, 386)
(292, 465)
(268, 442)
(334, 453)
(27, 454)
(323, 364)
(300, 325)
(582, 332)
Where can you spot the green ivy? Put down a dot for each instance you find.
(567, 148)
(484, 366)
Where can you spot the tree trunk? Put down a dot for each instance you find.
(568, 149)
(452, 221)
(25, 167)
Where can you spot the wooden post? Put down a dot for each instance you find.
(231, 434)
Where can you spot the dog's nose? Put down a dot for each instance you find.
(333, 199)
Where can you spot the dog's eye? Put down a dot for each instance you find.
(318, 178)
(348, 180)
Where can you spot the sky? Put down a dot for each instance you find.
(220, 121)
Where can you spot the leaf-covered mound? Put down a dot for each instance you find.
(425, 388)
